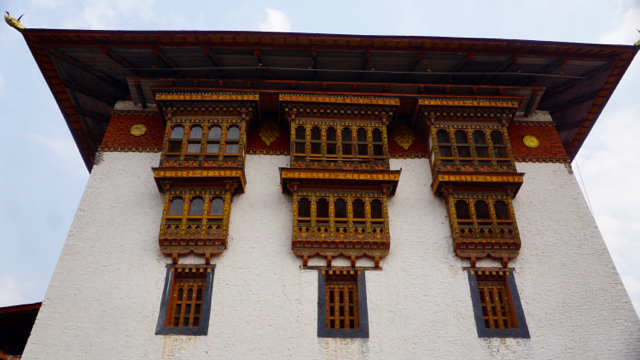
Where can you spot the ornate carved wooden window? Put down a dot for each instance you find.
(186, 300)
(483, 225)
(495, 300)
(340, 222)
(472, 147)
(342, 302)
(195, 219)
(339, 145)
(204, 142)
(496, 303)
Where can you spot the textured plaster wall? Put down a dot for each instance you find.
(104, 296)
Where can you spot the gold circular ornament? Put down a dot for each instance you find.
(138, 130)
(531, 141)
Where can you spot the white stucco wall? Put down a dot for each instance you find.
(105, 294)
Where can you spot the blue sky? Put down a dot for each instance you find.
(42, 176)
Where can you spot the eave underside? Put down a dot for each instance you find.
(88, 71)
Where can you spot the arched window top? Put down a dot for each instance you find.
(315, 133)
(461, 137)
(482, 210)
(322, 208)
(215, 133)
(177, 132)
(341, 209)
(331, 134)
(479, 138)
(304, 208)
(300, 133)
(502, 210)
(443, 137)
(233, 133)
(176, 206)
(462, 210)
(362, 134)
(195, 132)
(196, 207)
(358, 209)
(217, 207)
(376, 209)
(377, 135)
(497, 138)
(346, 134)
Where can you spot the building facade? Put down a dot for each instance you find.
(268, 195)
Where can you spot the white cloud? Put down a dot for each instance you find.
(46, 4)
(276, 21)
(100, 14)
(626, 32)
(59, 146)
(1, 82)
(11, 291)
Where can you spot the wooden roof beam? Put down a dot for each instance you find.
(261, 62)
(143, 101)
(557, 90)
(215, 61)
(413, 65)
(504, 66)
(167, 61)
(88, 92)
(571, 126)
(120, 60)
(365, 63)
(545, 70)
(95, 72)
(447, 78)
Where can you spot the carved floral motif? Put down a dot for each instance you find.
(269, 132)
(403, 136)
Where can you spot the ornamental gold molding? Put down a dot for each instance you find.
(269, 132)
(138, 130)
(14, 23)
(403, 136)
(531, 141)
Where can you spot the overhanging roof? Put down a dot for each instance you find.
(88, 71)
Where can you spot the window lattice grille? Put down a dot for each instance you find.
(342, 303)
(186, 302)
(496, 303)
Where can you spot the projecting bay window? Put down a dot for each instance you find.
(483, 225)
(195, 217)
(470, 148)
(204, 143)
(186, 300)
(339, 145)
(340, 215)
(342, 304)
(496, 304)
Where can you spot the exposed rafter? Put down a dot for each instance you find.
(545, 70)
(167, 61)
(81, 65)
(364, 64)
(571, 103)
(215, 61)
(557, 90)
(143, 101)
(261, 62)
(88, 92)
(447, 78)
(413, 65)
(532, 99)
(504, 66)
(120, 60)
(91, 114)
